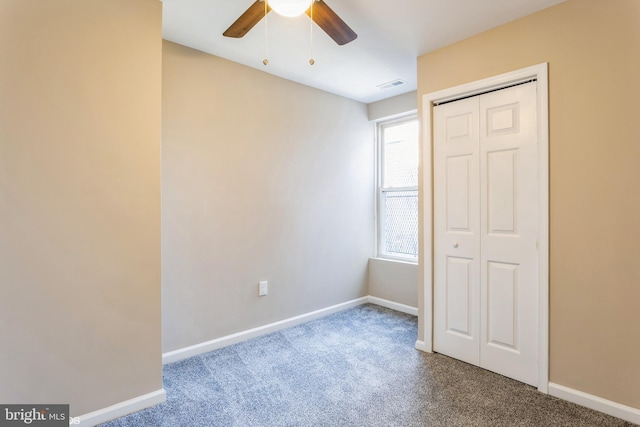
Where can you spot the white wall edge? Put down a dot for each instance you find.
(422, 346)
(393, 305)
(121, 409)
(194, 350)
(596, 403)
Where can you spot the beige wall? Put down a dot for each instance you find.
(394, 281)
(79, 201)
(262, 179)
(393, 107)
(592, 49)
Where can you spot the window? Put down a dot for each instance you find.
(398, 189)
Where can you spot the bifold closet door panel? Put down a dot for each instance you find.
(509, 232)
(457, 231)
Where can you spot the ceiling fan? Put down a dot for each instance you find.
(321, 14)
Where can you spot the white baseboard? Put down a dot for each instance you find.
(120, 409)
(596, 403)
(393, 305)
(194, 350)
(142, 402)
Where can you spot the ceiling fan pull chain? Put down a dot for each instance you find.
(311, 61)
(265, 61)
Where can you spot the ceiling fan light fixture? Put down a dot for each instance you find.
(290, 8)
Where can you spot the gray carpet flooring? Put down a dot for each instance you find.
(358, 367)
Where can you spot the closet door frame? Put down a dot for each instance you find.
(425, 313)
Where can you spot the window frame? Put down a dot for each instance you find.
(380, 190)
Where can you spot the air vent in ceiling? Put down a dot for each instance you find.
(389, 85)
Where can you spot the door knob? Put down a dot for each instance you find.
(455, 244)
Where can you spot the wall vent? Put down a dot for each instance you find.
(391, 84)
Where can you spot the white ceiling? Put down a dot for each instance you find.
(391, 35)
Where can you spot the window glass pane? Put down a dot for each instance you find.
(401, 155)
(401, 223)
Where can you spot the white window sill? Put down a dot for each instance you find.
(396, 260)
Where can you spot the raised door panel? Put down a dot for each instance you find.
(458, 191)
(458, 286)
(502, 305)
(502, 209)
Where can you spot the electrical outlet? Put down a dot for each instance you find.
(263, 288)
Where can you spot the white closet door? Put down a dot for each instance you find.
(485, 231)
(509, 230)
(457, 231)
